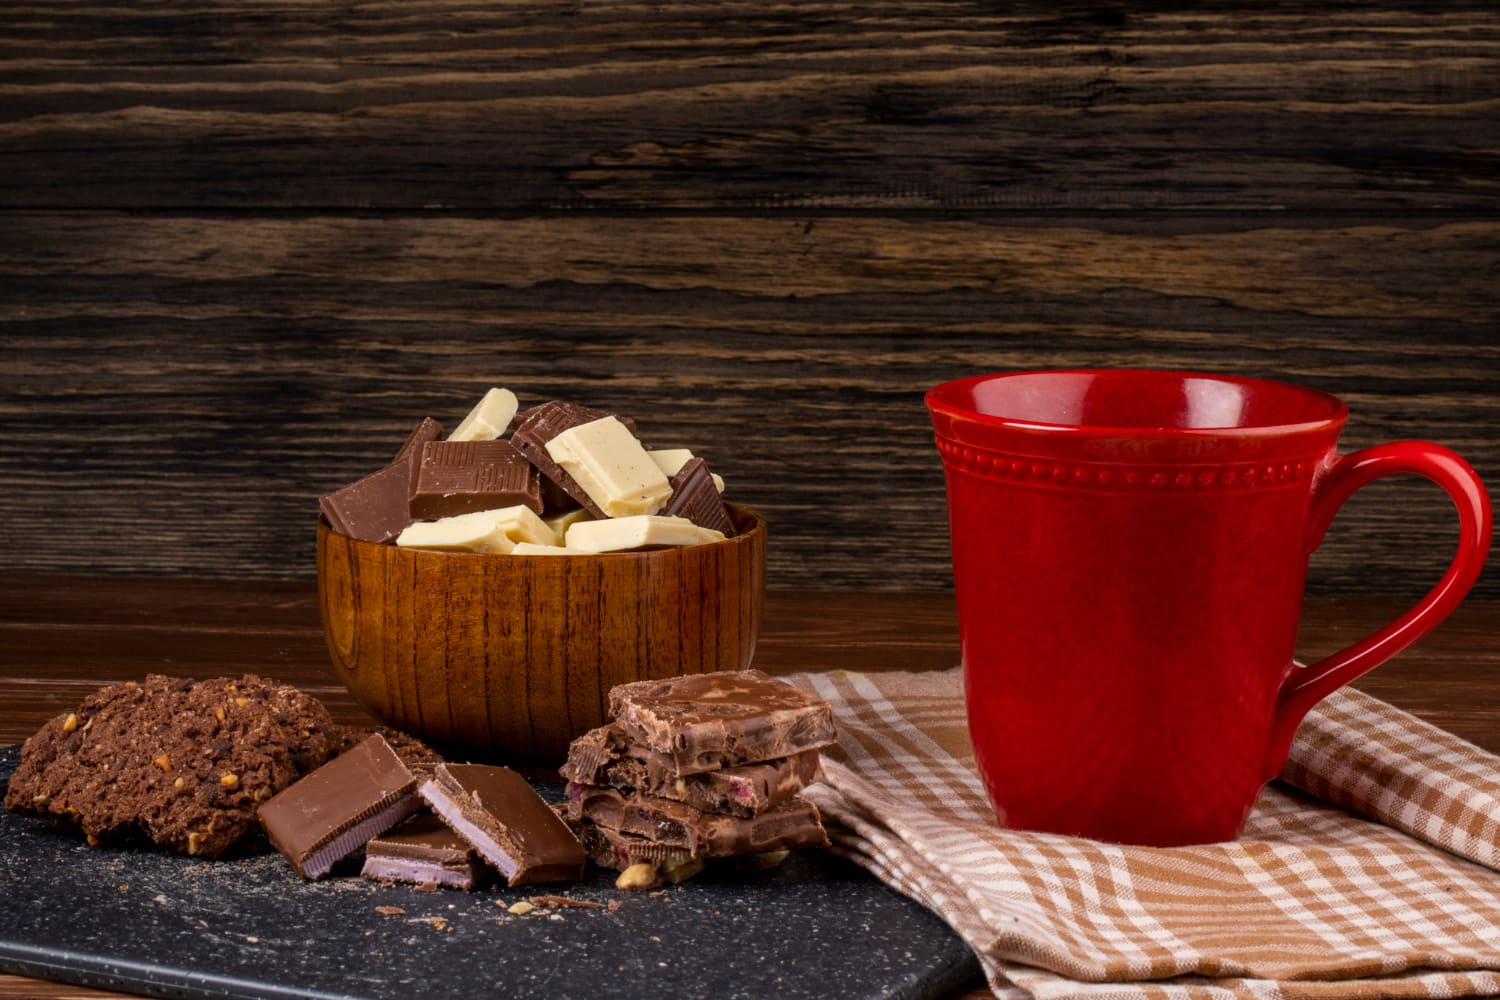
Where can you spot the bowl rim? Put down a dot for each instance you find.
(751, 523)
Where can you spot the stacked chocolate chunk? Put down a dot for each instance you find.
(508, 482)
(697, 767)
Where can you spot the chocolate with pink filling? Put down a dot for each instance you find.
(334, 811)
(498, 814)
(423, 851)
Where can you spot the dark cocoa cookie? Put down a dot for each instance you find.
(186, 762)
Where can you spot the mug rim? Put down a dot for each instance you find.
(940, 399)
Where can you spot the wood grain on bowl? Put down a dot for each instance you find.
(511, 657)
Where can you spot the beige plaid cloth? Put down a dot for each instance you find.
(1373, 876)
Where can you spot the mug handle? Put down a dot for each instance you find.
(1304, 687)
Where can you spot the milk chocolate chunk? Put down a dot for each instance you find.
(695, 497)
(460, 477)
(613, 849)
(498, 814)
(543, 423)
(337, 809)
(709, 721)
(790, 825)
(424, 851)
(376, 508)
(606, 756)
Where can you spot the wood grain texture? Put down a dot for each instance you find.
(514, 657)
(528, 105)
(244, 246)
(243, 366)
(63, 636)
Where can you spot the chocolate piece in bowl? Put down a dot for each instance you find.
(613, 468)
(538, 426)
(186, 762)
(460, 477)
(636, 532)
(713, 720)
(423, 851)
(606, 756)
(340, 807)
(490, 531)
(696, 497)
(496, 812)
(489, 418)
(377, 507)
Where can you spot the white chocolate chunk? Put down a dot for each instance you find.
(560, 523)
(612, 467)
(638, 531)
(533, 549)
(489, 418)
(671, 461)
(492, 531)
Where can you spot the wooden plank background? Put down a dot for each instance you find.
(244, 246)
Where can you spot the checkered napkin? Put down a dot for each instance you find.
(1370, 872)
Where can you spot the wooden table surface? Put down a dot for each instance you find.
(63, 636)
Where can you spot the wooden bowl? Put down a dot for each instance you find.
(512, 657)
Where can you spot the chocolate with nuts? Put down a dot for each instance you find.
(670, 824)
(709, 721)
(606, 756)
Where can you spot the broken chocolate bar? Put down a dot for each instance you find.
(695, 497)
(495, 531)
(709, 721)
(613, 849)
(498, 814)
(376, 508)
(460, 477)
(543, 423)
(488, 419)
(606, 756)
(639, 531)
(792, 824)
(424, 851)
(612, 467)
(334, 811)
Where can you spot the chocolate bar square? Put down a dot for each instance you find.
(334, 811)
(498, 814)
(460, 477)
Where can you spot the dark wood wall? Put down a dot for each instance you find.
(244, 246)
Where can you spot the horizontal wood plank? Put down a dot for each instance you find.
(530, 106)
(178, 390)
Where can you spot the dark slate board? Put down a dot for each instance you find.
(145, 921)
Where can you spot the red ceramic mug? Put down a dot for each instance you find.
(1129, 549)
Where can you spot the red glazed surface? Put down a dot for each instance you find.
(1129, 550)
